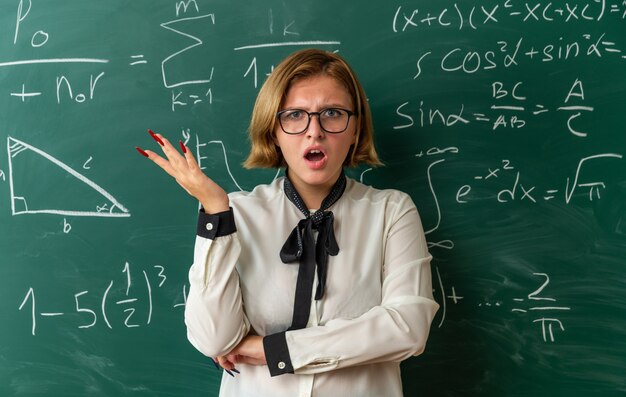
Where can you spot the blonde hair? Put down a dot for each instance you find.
(299, 65)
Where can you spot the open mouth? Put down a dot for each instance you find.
(314, 155)
(315, 158)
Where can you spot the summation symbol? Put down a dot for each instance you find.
(174, 63)
(196, 42)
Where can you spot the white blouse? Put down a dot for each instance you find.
(376, 311)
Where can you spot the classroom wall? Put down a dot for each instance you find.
(504, 121)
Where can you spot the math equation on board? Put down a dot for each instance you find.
(506, 106)
(190, 89)
(541, 310)
(128, 297)
(511, 109)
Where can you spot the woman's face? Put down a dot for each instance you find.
(315, 158)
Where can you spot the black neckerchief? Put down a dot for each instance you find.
(302, 247)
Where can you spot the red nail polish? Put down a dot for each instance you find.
(182, 146)
(156, 138)
(140, 150)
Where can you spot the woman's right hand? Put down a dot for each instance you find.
(186, 171)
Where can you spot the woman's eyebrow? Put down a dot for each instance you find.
(324, 106)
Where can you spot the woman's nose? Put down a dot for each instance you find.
(315, 128)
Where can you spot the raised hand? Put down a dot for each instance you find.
(185, 170)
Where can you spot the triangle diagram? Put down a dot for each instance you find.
(42, 184)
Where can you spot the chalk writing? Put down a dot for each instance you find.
(25, 151)
(509, 110)
(138, 60)
(522, 191)
(509, 54)
(546, 322)
(497, 118)
(444, 298)
(88, 314)
(168, 83)
(200, 157)
(466, 16)
(434, 151)
(40, 37)
(52, 61)
(62, 81)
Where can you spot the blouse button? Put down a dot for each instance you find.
(281, 365)
(209, 226)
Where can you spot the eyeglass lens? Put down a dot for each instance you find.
(295, 121)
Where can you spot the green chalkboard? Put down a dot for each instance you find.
(504, 120)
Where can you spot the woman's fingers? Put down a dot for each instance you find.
(173, 163)
(191, 160)
(250, 360)
(182, 147)
(187, 173)
(226, 363)
(155, 137)
(160, 161)
(177, 161)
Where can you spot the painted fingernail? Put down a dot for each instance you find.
(235, 370)
(156, 138)
(216, 364)
(182, 146)
(140, 150)
(229, 373)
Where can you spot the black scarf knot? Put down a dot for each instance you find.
(302, 247)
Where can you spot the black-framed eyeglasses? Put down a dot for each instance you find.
(332, 120)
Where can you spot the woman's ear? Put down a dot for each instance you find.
(275, 140)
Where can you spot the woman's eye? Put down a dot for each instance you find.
(294, 115)
(332, 113)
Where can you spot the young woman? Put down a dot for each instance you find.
(313, 285)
